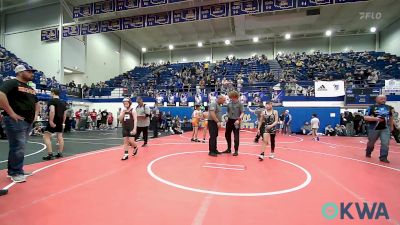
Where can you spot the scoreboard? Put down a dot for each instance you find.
(361, 96)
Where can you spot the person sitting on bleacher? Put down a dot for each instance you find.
(329, 131)
(340, 130)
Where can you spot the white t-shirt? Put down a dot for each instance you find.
(315, 123)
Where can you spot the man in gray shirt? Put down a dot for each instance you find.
(235, 111)
(214, 122)
(143, 120)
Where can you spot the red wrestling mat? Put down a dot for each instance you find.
(174, 181)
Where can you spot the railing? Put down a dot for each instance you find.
(300, 88)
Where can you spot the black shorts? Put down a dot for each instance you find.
(126, 132)
(57, 129)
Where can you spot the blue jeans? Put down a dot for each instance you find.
(17, 134)
(373, 136)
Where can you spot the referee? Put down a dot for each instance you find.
(214, 122)
(235, 111)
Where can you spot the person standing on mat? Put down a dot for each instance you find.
(214, 122)
(235, 111)
(155, 118)
(57, 115)
(196, 115)
(380, 123)
(271, 118)
(287, 123)
(315, 126)
(143, 120)
(205, 123)
(128, 119)
(21, 109)
(258, 112)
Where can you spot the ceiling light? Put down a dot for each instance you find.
(372, 29)
(288, 36)
(144, 49)
(184, 59)
(255, 39)
(328, 33)
(227, 42)
(200, 44)
(170, 47)
(67, 71)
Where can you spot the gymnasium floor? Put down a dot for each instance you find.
(174, 181)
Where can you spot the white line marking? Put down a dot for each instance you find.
(224, 168)
(221, 164)
(237, 194)
(34, 153)
(343, 157)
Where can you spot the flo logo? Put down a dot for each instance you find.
(350, 210)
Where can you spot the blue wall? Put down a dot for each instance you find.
(300, 115)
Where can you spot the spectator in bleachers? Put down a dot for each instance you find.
(329, 131)
(43, 83)
(340, 130)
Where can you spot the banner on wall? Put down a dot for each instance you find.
(133, 22)
(104, 7)
(49, 35)
(185, 15)
(276, 5)
(158, 19)
(312, 3)
(214, 11)
(245, 7)
(127, 4)
(392, 86)
(71, 31)
(329, 88)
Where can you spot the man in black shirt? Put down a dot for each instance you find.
(21, 108)
(380, 124)
(57, 113)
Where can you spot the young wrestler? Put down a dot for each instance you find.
(128, 119)
(270, 117)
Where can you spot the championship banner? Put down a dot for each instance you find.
(183, 101)
(214, 11)
(104, 7)
(329, 88)
(90, 28)
(171, 100)
(312, 3)
(127, 4)
(49, 35)
(71, 31)
(348, 1)
(158, 19)
(275, 5)
(83, 11)
(185, 15)
(245, 7)
(133, 22)
(148, 3)
(392, 86)
(110, 25)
